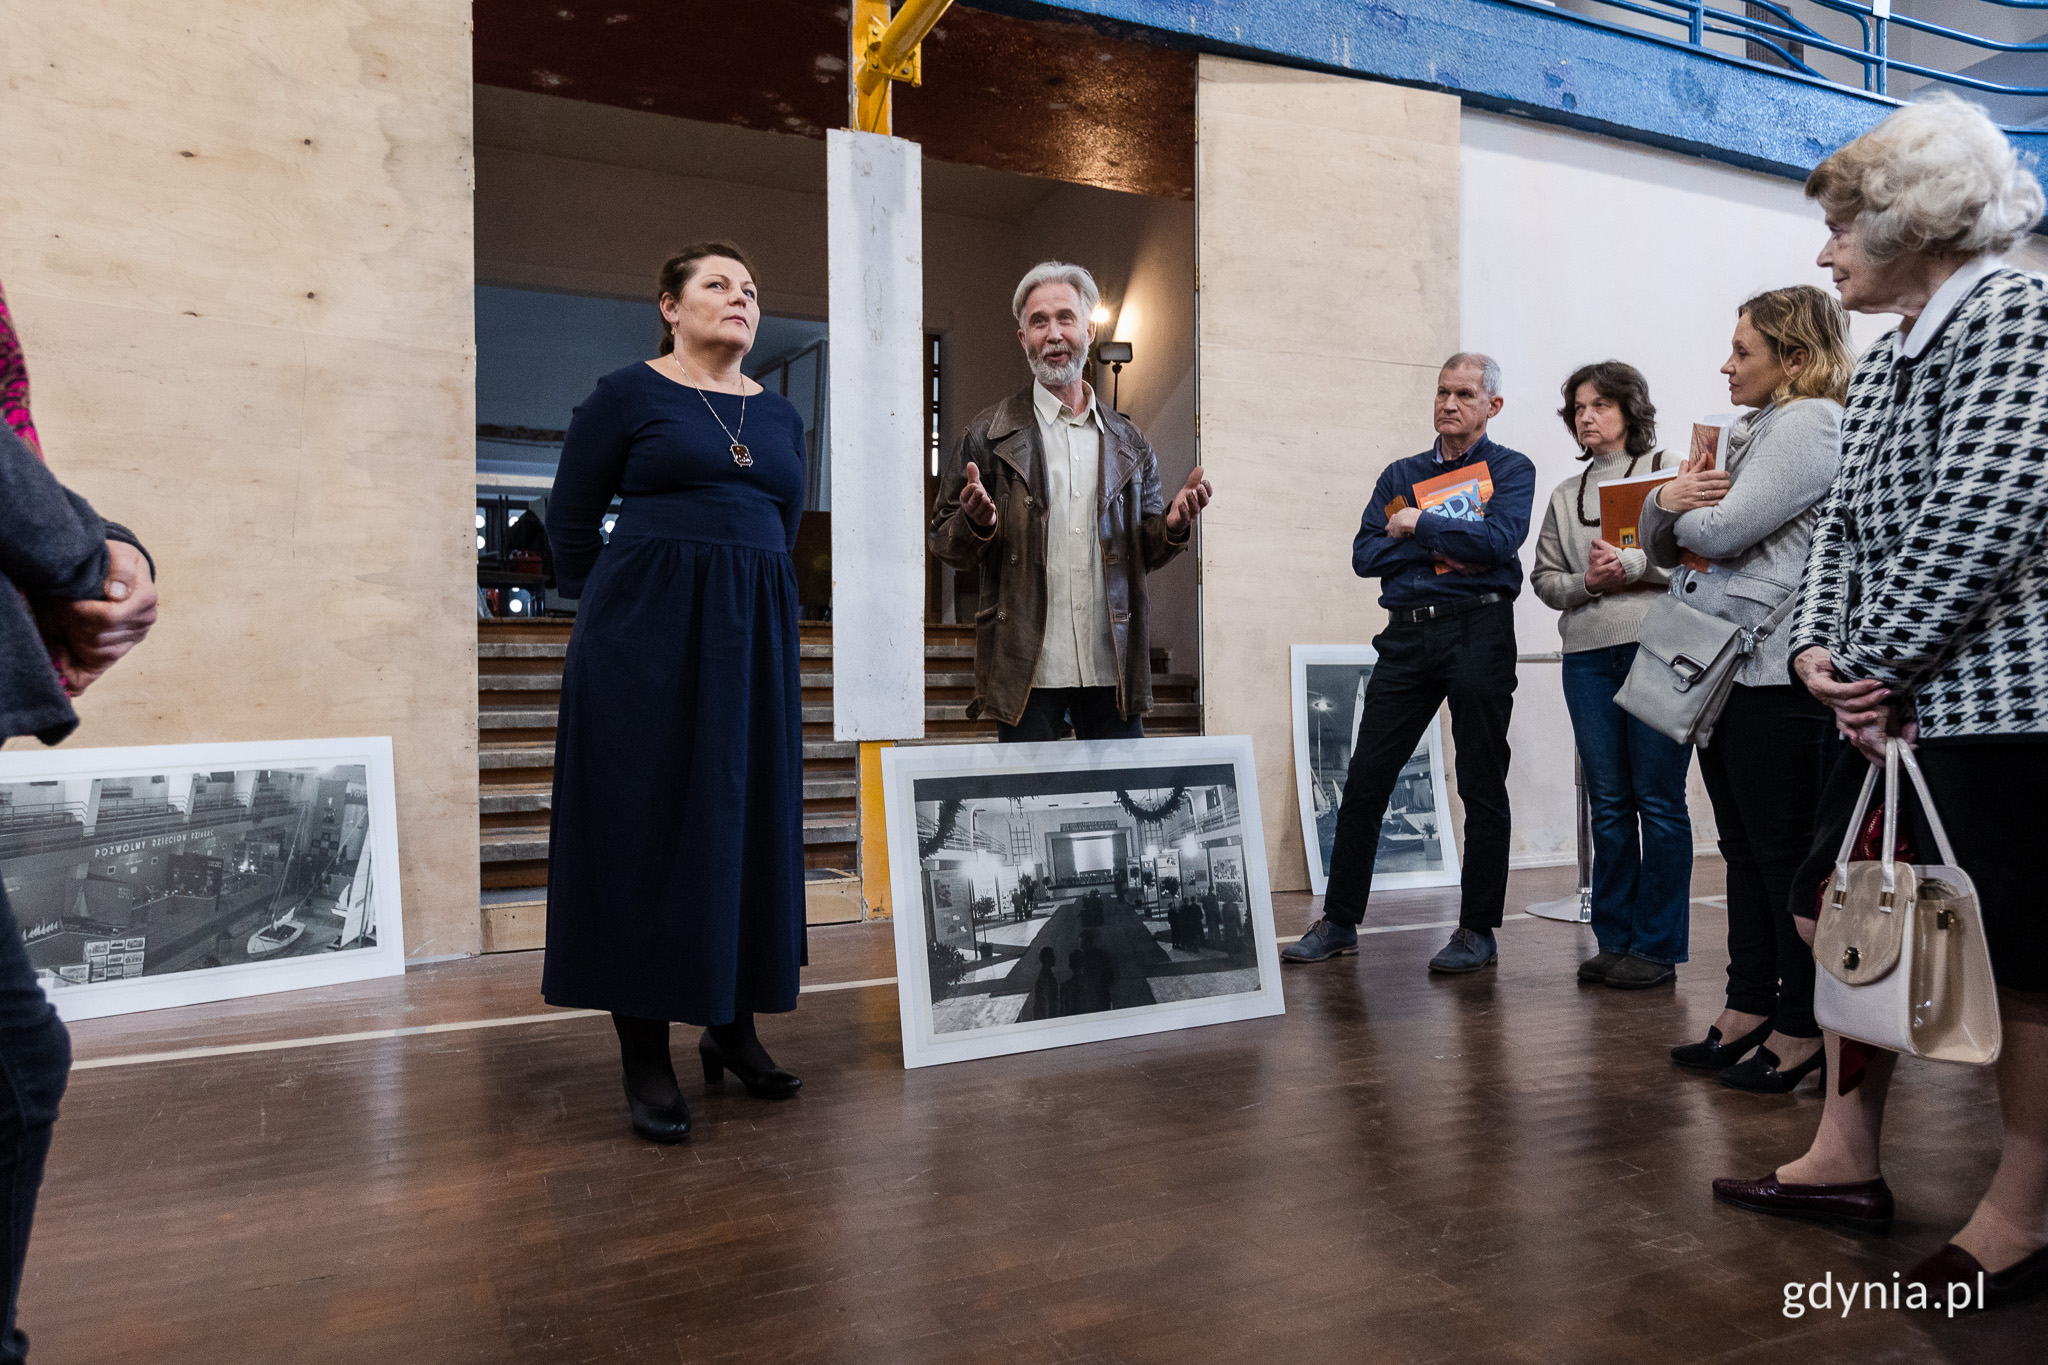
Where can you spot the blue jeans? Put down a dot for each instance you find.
(1642, 836)
(35, 1061)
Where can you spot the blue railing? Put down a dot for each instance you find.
(1783, 34)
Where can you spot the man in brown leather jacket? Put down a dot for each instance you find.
(1056, 500)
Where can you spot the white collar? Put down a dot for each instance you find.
(1051, 410)
(1952, 291)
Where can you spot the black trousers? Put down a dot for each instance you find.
(1765, 770)
(1469, 661)
(35, 1062)
(1092, 711)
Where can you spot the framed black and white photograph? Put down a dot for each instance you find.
(1049, 894)
(1417, 847)
(151, 877)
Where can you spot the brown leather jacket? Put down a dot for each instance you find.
(1009, 626)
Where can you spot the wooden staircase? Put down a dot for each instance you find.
(519, 690)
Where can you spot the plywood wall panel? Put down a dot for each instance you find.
(1328, 244)
(260, 355)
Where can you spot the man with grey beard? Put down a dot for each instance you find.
(1055, 500)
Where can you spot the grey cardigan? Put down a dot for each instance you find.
(1781, 461)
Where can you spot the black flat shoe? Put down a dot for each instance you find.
(1953, 1265)
(763, 1079)
(1633, 973)
(658, 1122)
(1761, 1074)
(1714, 1055)
(1594, 969)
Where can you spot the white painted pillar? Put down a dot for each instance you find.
(875, 195)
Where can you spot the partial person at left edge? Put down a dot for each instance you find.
(76, 594)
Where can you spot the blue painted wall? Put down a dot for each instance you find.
(1516, 57)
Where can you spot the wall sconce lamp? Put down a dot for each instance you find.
(1116, 355)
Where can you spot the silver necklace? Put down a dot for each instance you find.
(741, 456)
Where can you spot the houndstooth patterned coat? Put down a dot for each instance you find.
(1929, 565)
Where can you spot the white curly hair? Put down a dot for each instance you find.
(1937, 176)
(1056, 272)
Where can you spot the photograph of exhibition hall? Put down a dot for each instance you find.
(1001, 681)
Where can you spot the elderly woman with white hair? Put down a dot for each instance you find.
(1927, 617)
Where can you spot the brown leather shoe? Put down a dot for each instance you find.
(1861, 1206)
(1953, 1265)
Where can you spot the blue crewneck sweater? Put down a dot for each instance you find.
(1491, 544)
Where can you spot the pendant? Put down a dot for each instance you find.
(741, 456)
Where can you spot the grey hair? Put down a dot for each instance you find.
(1057, 272)
(1488, 367)
(1937, 176)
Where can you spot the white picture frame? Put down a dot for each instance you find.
(1319, 769)
(105, 849)
(1171, 966)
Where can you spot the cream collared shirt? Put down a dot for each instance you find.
(1078, 650)
(1944, 301)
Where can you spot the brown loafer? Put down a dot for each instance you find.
(1953, 1265)
(1862, 1206)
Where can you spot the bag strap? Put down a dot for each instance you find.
(1888, 860)
(1849, 836)
(1774, 620)
(1948, 853)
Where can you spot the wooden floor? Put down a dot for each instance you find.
(1496, 1168)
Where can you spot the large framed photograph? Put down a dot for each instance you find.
(1416, 843)
(150, 877)
(1049, 894)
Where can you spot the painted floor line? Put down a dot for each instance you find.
(411, 1031)
(188, 1054)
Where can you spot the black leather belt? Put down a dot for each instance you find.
(1415, 616)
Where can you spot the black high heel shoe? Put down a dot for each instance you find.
(658, 1122)
(1713, 1054)
(757, 1072)
(1762, 1075)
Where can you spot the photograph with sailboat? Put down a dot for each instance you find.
(179, 869)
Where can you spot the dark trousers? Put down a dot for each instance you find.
(1769, 759)
(1091, 710)
(35, 1061)
(1469, 661)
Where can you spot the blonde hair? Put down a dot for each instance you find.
(1803, 318)
(1937, 176)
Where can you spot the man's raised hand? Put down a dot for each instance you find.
(1187, 504)
(975, 501)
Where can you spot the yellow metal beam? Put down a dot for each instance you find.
(887, 50)
(874, 830)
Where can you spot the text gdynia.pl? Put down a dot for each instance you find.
(1830, 1295)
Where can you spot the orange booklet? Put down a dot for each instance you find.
(1621, 509)
(1462, 493)
(1621, 506)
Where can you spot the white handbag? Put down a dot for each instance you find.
(1901, 949)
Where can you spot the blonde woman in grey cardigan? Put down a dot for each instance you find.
(1774, 745)
(1635, 777)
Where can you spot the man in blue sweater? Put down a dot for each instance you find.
(1443, 534)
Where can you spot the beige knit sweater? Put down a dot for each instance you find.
(1591, 621)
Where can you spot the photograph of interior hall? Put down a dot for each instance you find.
(658, 422)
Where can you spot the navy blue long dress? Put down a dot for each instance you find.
(675, 872)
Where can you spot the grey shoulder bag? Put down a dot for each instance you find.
(1686, 662)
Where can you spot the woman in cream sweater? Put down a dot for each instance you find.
(1635, 777)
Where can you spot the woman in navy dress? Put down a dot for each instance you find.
(675, 869)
